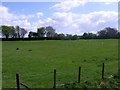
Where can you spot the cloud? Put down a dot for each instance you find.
(8, 18)
(68, 5)
(79, 23)
(63, 22)
(39, 14)
(106, 1)
(5, 15)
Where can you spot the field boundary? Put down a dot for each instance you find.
(19, 83)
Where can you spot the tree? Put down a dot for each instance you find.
(89, 36)
(68, 37)
(41, 31)
(8, 31)
(12, 32)
(30, 34)
(75, 37)
(108, 33)
(111, 32)
(22, 32)
(60, 36)
(18, 31)
(33, 35)
(5, 31)
(50, 31)
(85, 36)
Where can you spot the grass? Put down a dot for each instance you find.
(35, 61)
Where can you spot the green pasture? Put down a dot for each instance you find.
(35, 61)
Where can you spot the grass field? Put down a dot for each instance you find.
(35, 61)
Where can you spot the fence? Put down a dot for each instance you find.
(19, 83)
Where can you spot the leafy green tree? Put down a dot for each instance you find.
(33, 35)
(41, 31)
(89, 36)
(8, 31)
(75, 37)
(85, 35)
(12, 32)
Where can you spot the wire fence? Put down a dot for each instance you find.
(58, 79)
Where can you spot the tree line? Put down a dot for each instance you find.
(50, 33)
(12, 32)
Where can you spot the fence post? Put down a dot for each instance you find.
(102, 70)
(79, 73)
(54, 79)
(17, 81)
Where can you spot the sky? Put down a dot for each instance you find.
(67, 16)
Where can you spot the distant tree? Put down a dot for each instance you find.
(108, 33)
(30, 35)
(68, 37)
(18, 31)
(102, 34)
(22, 32)
(56, 35)
(12, 32)
(50, 31)
(61, 36)
(41, 32)
(85, 35)
(75, 37)
(89, 36)
(5, 31)
(8, 31)
(92, 35)
(33, 35)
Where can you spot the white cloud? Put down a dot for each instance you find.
(72, 23)
(63, 22)
(68, 4)
(106, 1)
(5, 15)
(39, 14)
(8, 18)
(79, 23)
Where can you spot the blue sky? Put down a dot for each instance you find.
(72, 17)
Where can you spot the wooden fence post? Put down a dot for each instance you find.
(17, 81)
(102, 70)
(79, 73)
(54, 79)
